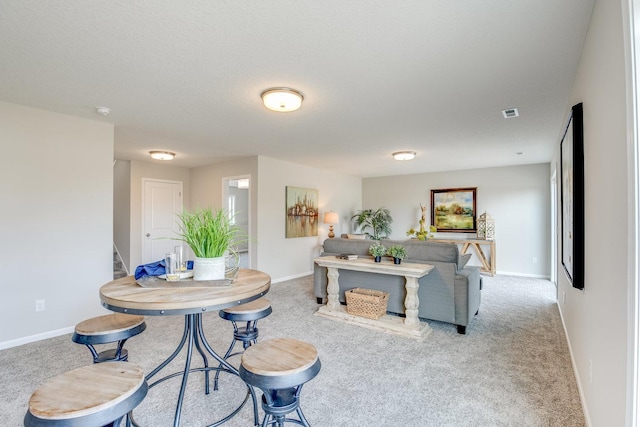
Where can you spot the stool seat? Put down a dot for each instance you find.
(253, 310)
(249, 312)
(115, 327)
(280, 367)
(90, 396)
(280, 360)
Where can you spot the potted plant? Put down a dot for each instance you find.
(423, 233)
(398, 252)
(379, 221)
(377, 251)
(210, 236)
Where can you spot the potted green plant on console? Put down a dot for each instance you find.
(377, 251)
(398, 252)
(379, 221)
(210, 236)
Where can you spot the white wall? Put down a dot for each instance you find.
(596, 318)
(56, 189)
(286, 258)
(207, 190)
(518, 198)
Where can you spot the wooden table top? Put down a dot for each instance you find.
(126, 296)
(367, 264)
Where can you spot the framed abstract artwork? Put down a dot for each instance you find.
(454, 209)
(301, 212)
(572, 198)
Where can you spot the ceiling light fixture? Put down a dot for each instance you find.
(282, 99)
(162, 155)
(404, 155)
(103, 111)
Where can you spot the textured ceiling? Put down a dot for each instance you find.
(377, 77)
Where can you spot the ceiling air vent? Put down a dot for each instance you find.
(509, 113)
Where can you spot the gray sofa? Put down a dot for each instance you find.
(449, 293)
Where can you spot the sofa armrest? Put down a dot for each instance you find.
(467, 294)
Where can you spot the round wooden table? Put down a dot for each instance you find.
(190, 299)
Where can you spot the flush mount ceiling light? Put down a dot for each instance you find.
(404, 155)
(282, 99)
(162, 155)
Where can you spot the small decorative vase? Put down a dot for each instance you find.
(397, 260)
(377, 258)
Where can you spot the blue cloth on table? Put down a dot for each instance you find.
(155, 269)
(151, 269)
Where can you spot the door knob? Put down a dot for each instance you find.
(148, 235)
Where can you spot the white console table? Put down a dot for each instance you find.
(410, 326)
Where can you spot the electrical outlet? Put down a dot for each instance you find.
(535, 260)
(40, 305)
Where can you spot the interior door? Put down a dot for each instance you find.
(161, 206)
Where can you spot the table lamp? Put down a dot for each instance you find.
(331, 218)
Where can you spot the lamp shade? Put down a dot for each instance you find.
(331, 218)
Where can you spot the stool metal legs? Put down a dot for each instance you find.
(278, 403)
(247, 335)
(118, 354)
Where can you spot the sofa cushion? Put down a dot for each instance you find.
(416, 249)
(463, 260)
(347, 246)
(431, 251)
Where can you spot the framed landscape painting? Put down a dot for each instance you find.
(301, 212)
(572, 198)
(454, 210)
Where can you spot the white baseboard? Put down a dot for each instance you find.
(295, 276)
(534, 276)
(33, 338)
(583, 400)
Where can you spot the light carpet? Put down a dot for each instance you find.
(511, 369)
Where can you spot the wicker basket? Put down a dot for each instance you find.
(366, 302)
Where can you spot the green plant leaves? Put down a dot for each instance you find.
(379, 221)
(208, 234)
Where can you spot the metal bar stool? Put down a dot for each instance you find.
(250, 312)
(280, 367)
(110, 328)
(92, 396)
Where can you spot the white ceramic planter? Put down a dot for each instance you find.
(208, 268)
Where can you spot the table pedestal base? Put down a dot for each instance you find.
(193, 338)
(387, 323)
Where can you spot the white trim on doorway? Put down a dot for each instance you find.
(631, 20)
